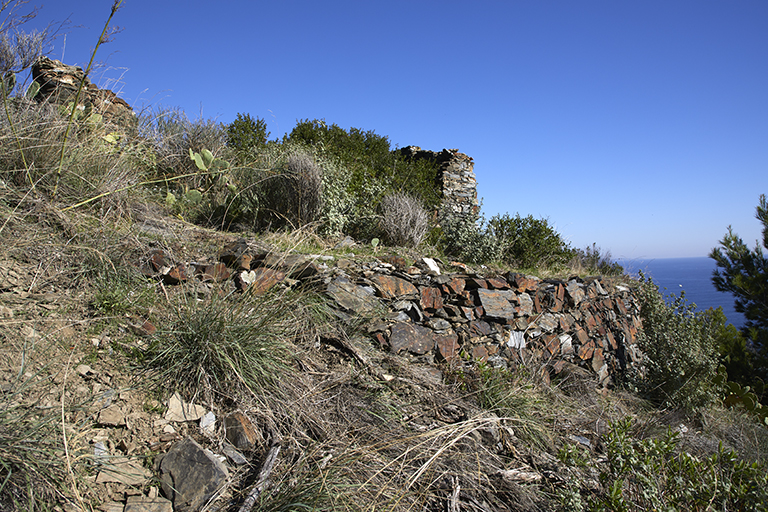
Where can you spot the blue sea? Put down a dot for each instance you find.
(694, 275)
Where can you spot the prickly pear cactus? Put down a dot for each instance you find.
(735, 394)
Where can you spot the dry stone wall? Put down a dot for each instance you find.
(446, 313)
(456, 178)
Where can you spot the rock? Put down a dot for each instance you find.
(178, 410)
(575, 292)
(431, 298)
(351, 297)
(122, 470)
(447, 347)
(147, 504)
(438, 324)
(190, 475)
(262, 279)
(241, 432)
(59, 84)
(233, 455)
(412, 338)
(390, 287)
(496, 303)
(208, 423)
(112, 416)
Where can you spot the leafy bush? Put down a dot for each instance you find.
(680, 349)
(655, 474)
(246, 136)
(403, 220)
(529, 243)
(468, 238)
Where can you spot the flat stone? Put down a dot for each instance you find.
(439, 324)
(447, 347)
(431, 298)
(351, 297)
(190, 475)
(178, 410)
(431, 266)
(525, 303)
(575, 292)
(496, 303)
(264, 279)
(391, 287)
(566, 344)
(147, 504)
(241, 432)
(121, 470)
(480, 328)
(522, 282)
(548, 322)
(415, 339)
(112, 416)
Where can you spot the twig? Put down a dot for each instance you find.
(263, 481)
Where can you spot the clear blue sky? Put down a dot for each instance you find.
(639, 125)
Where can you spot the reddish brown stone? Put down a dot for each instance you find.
(217, 272)
(497, 283)
(620, 307)
(390, 287)
(465, 298)
(581, 334)
(480, 353)
(586, 350)
(415, 339)
(558, 366)
(537, 303)
(143, 327)
(431, 299)
(158, 261)
(176, 275)
(611, 339)
(480, 328)
(266, 278)
(522, 282)
(473, 283)
(469, 313)
(557, 306)
(447, 347)
(560, 292)
(566, 321)
(241, 432)
(552, 342)
(456, 285)
(381, 339)
(597, 360)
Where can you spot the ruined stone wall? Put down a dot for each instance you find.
(456, 178)
(447, 313)
(59, 83)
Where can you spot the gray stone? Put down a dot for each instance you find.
(415, 339)
(575, 292)
(351, 297)
(526, 304)
(191, 475)
(496, 303)
(122, 470)
(548, 322)
(147, 504)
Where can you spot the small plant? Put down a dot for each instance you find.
(223, 344)
(468, 238)
(404, 221)
(527, 242)
(655, 474)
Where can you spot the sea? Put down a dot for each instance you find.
(692, 275)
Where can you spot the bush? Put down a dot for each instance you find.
(680, 348)
(246, 136)
(655, 474)
(595, 260)
(403, 220)
(468, 238)
(529, 243)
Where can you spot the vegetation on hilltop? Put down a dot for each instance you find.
(82, 203)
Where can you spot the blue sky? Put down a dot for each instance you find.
(641, 126)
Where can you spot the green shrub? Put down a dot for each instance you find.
(468, 238)
(404, 221)
(680, 349)
(655, 474)
(246, 136)
(529, 243)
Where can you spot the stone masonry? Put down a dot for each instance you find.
(59, 83)
(456, 178)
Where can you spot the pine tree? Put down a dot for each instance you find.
(744, 274)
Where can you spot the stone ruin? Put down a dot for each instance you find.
(59, 83)
(456, 178)
(436, 313)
